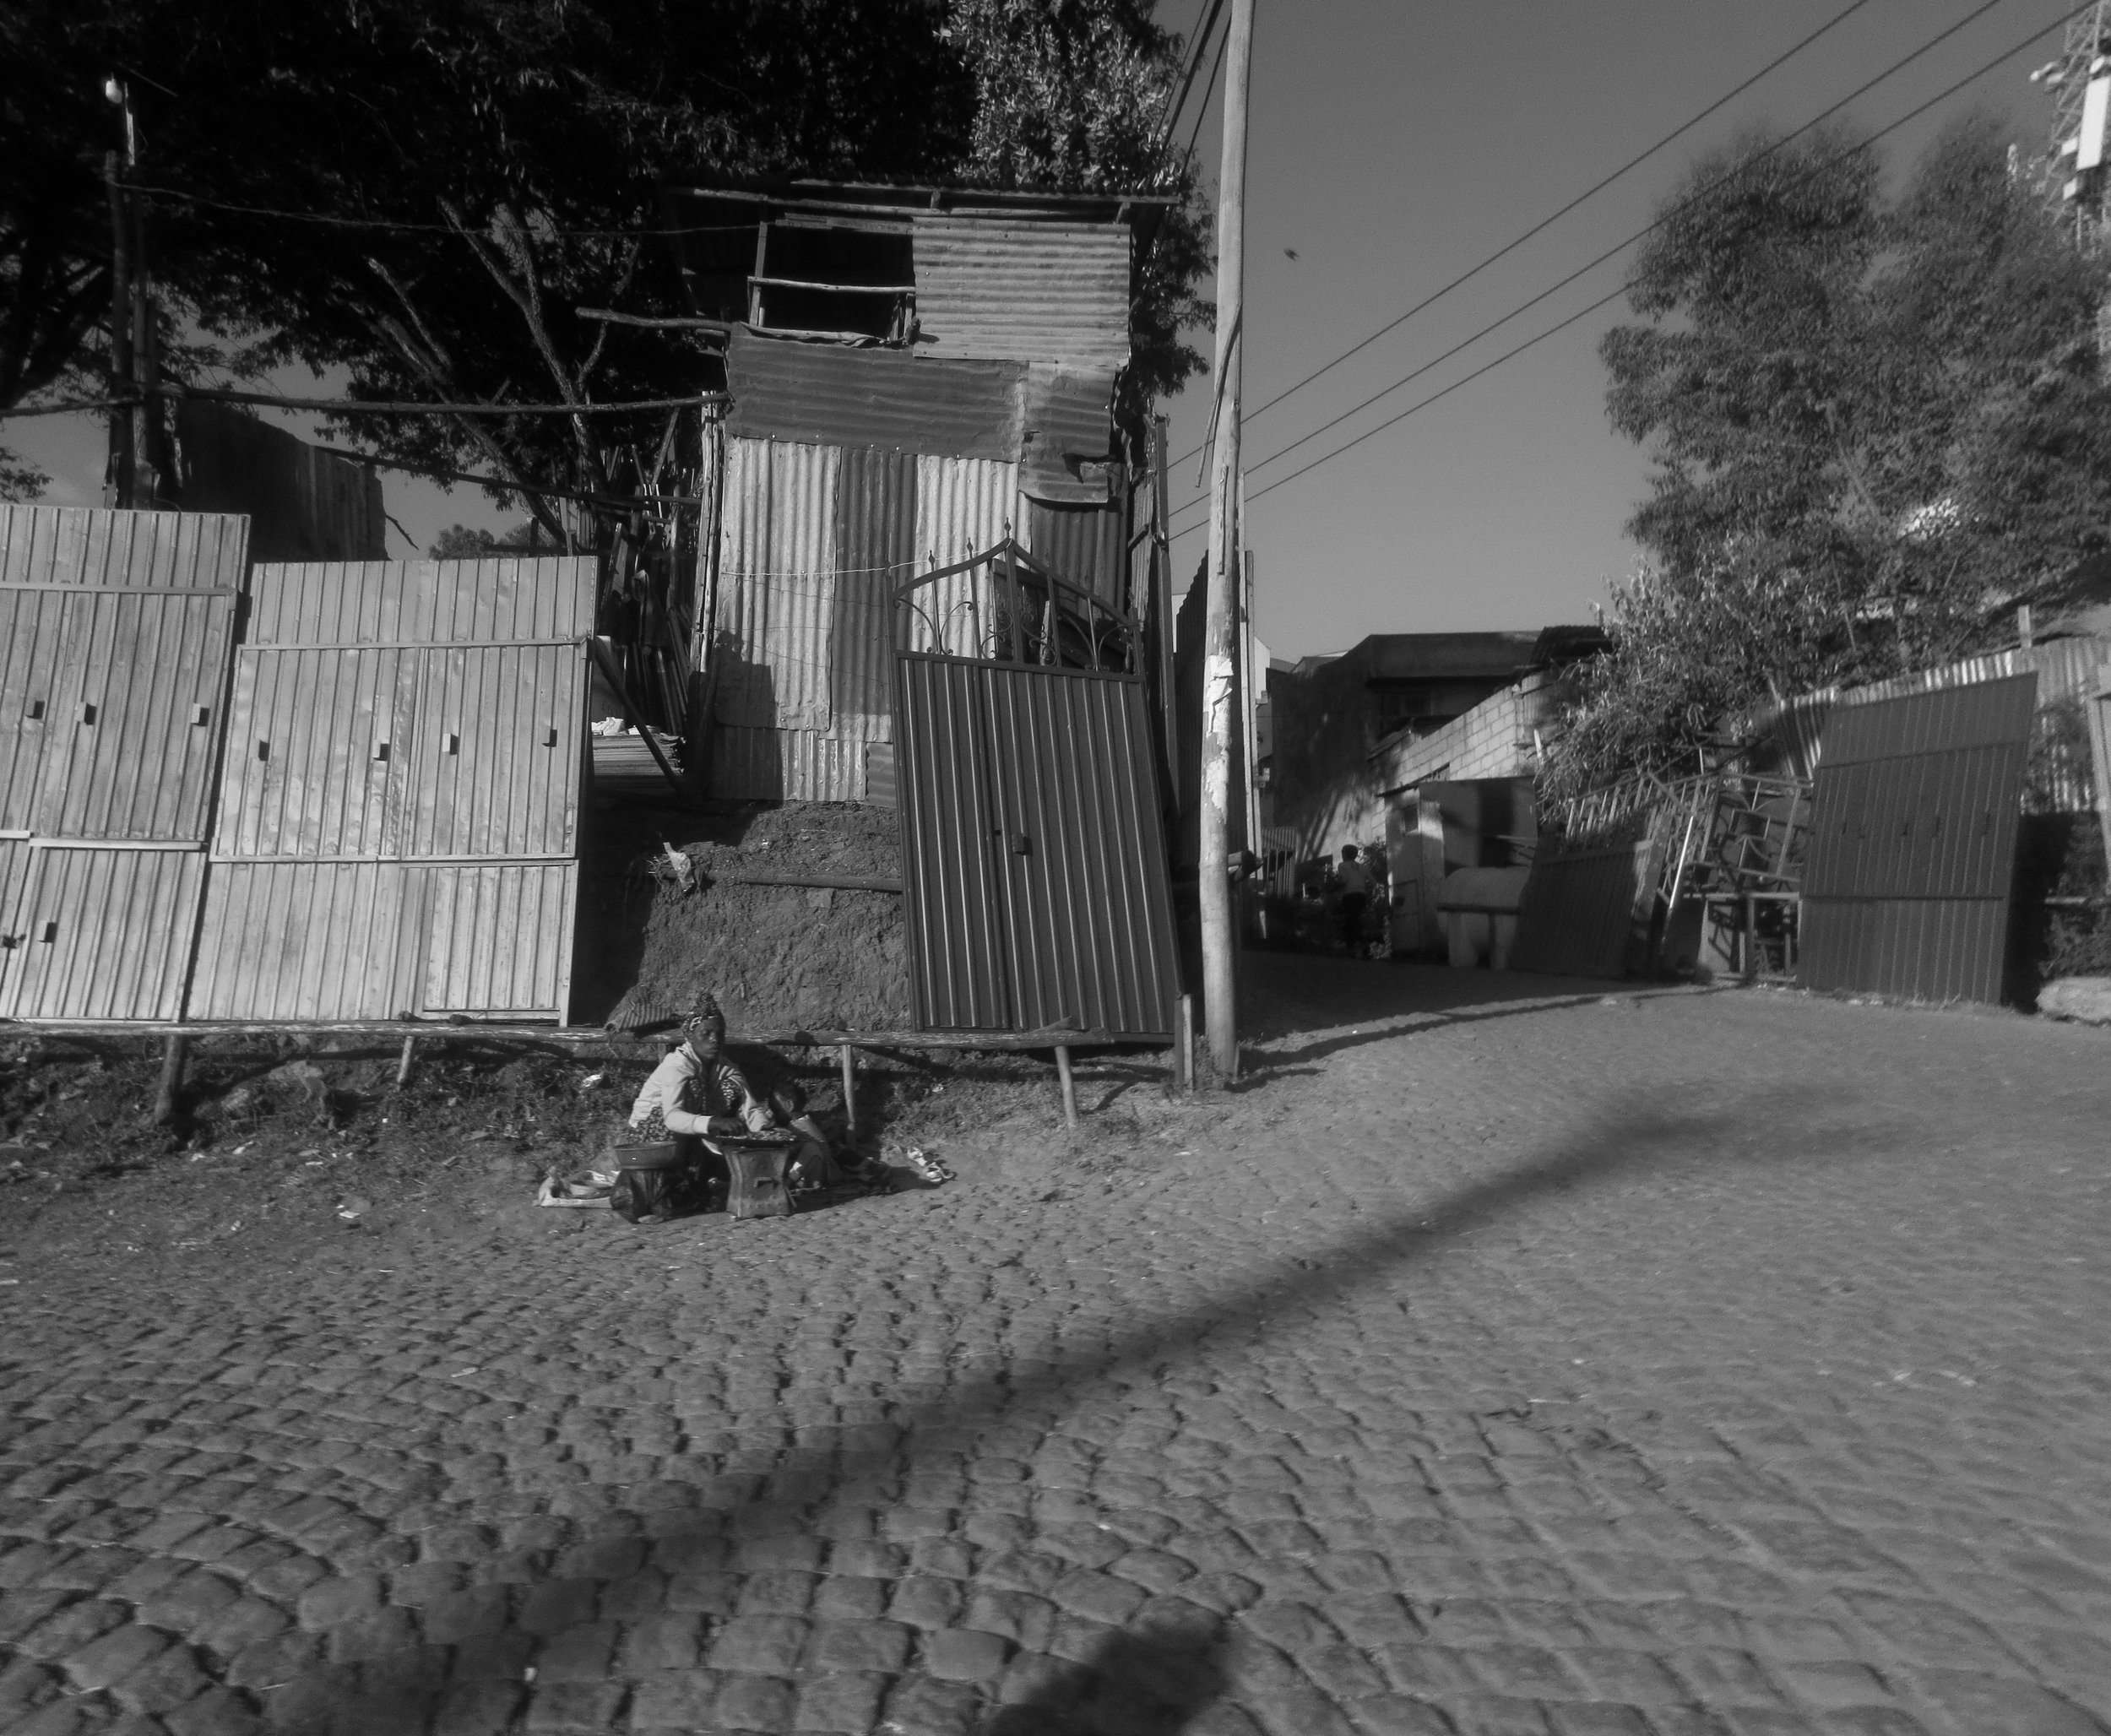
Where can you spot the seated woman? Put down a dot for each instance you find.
(695, 1094)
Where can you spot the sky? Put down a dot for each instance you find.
(1392, 146)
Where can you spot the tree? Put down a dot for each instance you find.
(424, 192)
(1876, 430)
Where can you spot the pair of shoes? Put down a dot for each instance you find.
(925, 1167)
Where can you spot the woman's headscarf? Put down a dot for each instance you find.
(704, 1016)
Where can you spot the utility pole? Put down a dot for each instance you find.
(1220, 982)
(122, 458)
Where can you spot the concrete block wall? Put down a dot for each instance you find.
(1493, 740)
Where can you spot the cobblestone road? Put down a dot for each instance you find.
(1681, 1363)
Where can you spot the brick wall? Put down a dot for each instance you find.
(1493, 740)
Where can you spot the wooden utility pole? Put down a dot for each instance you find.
(1220, 983)
(122, 453)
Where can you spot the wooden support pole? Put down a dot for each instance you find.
(1070, 1086)
(403, 1066)
(1184, 1046)
(1751, 938)
(123, 457)
(175, 1052)
(849, 1086)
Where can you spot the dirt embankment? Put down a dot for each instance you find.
(776, 956)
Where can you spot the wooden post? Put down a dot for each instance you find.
(1070, 1086)
(1220, 986)
(849, 1088)
(403, 1066)
(1751, 938)
(121, 457)
(175, 1052)
(1184, 1046)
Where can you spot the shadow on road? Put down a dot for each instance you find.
(1143, 1680)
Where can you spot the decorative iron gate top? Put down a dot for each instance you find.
(1004, 606)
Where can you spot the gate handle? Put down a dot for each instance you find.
(1021, 845)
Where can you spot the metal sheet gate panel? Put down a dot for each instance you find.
(1913, 842)
(1587, 913)
(398, 825)
(115, 631)
(1033, 851)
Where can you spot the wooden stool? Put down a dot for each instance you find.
(758, 1185)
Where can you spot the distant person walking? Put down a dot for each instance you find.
(1356, 883)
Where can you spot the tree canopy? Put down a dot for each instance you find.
(1876, 428)
(423, 192)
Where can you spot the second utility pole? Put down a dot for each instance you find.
(1220, 980)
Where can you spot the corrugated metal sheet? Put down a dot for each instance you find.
(498, 937)
(103, 934)
(302, 504)
(136, 715)
(307, 940)
(1034, 858)
(784, 389)
(33, 676)
(1032, 291)
(777, 584)
(1091, 909)
(964, 506)
(876, 550)
(1587, 914)
(318, 752)
(1913, 842)
(880, 787)
(1067, 435)
(545, 599)
(786, 765)
(492, 758)
(953, 884)
(14, 866)
(92, 547)
(1088, 545)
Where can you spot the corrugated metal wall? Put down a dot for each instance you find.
(1030, 291)
(814, 540)
(1034, 854)
(302, 504)
(828, 394)
(113, 678)
(964, 506)
(398, 825)
(1913, 842)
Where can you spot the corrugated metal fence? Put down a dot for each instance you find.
(115, 630)
(1913, 842)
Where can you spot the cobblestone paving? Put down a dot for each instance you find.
(1681, 1363)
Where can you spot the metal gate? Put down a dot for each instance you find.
(1913, 842)
(1033, 844)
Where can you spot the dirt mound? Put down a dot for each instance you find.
(814, 956)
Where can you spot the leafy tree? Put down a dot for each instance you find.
(423, 192)
(1876, 430)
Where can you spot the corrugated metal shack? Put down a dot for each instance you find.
(916, 373)
(115, 631)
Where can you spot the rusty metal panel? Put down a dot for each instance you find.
(102, 933)
(1088, 545)
(828, 393)
(490, 763)
(541, 599)
(1032, 291)
(1090, 907)
(95, 547)
(134, 725)
(964, 506)
(1067, 436)
(1913, 842)
(318, 752)
(1587, 914)
(307, 940)
(953, 873)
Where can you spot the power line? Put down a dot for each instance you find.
(1665, 216)
(1912, 114)
(1589, 192)
(330, 220)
